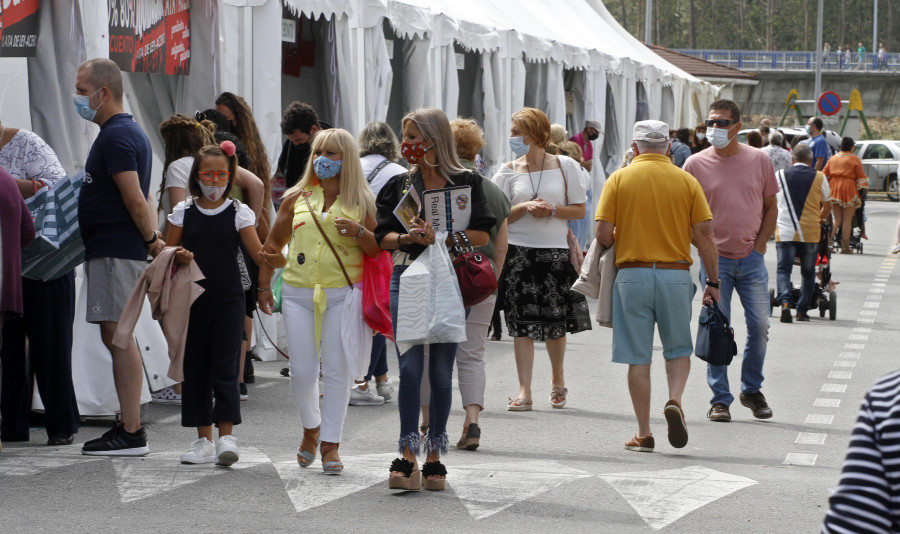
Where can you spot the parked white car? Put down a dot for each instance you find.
(881, 160)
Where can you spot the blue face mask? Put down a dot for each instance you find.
(327, 168)
(518, 146)
(808, 129)
(83, 106)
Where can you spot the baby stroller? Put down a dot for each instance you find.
(857, 228)
(824, 297)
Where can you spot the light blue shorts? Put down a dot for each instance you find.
(643, 297)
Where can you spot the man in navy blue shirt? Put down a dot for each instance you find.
(817, 143)
(119, 231)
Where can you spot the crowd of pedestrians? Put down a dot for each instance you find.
(224, 221)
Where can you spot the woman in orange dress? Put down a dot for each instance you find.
(845, 175)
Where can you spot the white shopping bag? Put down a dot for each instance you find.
(429, 307)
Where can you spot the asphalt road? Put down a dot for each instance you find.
(541, 471)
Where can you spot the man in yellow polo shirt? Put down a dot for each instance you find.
(654, 211)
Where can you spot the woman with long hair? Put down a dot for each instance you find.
(327, 218)
(545, 191)
(429, 148)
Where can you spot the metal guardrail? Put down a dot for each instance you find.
(755, 60)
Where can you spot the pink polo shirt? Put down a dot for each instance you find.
(735, 188)
(587, 148)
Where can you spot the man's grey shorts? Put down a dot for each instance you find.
(109, 284)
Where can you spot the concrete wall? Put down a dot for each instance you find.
(880, 92)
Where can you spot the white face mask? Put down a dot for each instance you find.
(212, 192)
(701, 136)
(718, 137)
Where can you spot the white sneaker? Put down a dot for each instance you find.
(226, 451)
(895, 249)
(385, 389)
(165, 396)
(364, 397)
(202, 452)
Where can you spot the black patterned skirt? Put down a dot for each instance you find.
(536, 290)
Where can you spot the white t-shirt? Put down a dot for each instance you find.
(386, 173)
(176, 176)
(243, 216)
(549, 232)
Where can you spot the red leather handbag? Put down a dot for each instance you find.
(473, 271)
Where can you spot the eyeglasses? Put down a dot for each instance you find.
(209, 176)
(719, 123)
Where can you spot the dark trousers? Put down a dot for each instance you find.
(212, 357)
(49, 311)
(787, 251)
(378, 363)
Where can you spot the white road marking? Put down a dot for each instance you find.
(800, 458)
(855, 346)
(874, 297)
(27, 461)
(857, 337)
(168, 420)
(865, 321)
(263, 385)
(873, 305)
(840, 375)
(819, 419)
(139, 478)
(849, 355)
(862, 329)
(879, 284)
(810, 438)
(662, 497)
(868, 313)
(827, 403)
(845, 363)
(834, 388)
(484, 489)
(876, 290)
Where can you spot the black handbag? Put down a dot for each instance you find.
(715, 337)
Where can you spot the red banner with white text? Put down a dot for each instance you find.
(150, 35)
(19, 23)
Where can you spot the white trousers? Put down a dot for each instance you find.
(299, 318)
(469, 356)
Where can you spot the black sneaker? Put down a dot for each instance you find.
(117, 442)
(786, 313)
(802, 317)
(757, 403)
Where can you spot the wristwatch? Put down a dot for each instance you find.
(152, 240)
(716, 284)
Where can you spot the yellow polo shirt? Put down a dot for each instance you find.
(653, 205)
(317, 266)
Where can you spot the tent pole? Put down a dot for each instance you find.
(246, 60)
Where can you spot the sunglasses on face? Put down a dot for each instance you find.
(209, 176)
(719, 123)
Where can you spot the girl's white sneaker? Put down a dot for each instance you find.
(226, 451)
(202, 452)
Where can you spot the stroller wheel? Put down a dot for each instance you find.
(832, 305)
(771, 301)
(823, 307)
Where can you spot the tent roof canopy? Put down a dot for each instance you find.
(581, 34)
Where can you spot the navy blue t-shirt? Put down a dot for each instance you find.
(106, 226)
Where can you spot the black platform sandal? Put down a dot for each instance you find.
(411, 479)
(431, 469)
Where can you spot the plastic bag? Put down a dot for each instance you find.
(376, 293)
(430, 307)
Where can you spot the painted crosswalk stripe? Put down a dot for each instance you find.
(873, 305)
(865, 320)
(827, 403)
(819, 419)
(810, 438)
(858, 337)
(845, 363)
(855, 346)
(862, 329)
(800, 458)
(849, 355)
(840, 375)
(834, 388)
(869, 313)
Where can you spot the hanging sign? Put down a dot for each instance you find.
(829, 103)
(151, 36)
(19, 23)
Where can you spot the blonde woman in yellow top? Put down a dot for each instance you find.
(321, 310)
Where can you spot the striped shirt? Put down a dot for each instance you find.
(867, 498)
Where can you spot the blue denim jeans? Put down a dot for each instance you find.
(748, 276)
(441, 357)
(378, 360)
(787, 251)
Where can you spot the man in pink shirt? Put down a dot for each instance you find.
(585, 140)
(739, 183)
